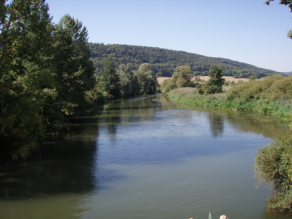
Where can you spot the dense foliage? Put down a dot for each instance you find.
(24, 70)
(110, 80)
(45, 71)
(147, 79)
(274, 87)
(164, 61)
(216, 80)
(46, 74)
(180, 78)
(273, 165)
(272, 95)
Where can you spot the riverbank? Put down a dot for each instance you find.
(280, 107)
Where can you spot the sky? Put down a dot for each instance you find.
(246, 31)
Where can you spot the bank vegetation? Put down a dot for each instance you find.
(271, 96)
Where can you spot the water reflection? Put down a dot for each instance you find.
(65, 166)
(140, 152)
(216, 124)
(256, 123)
(247, 122)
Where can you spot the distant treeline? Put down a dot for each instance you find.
(164, 61)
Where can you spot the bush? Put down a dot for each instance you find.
(270, 88)
(252, 78)
(273, 165)
(167, 85)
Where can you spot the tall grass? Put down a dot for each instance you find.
(272, 95)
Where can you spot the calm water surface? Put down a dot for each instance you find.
(144, 158)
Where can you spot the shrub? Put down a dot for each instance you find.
(273, 165)
(270, 88)
(167, 85)
(252, 78)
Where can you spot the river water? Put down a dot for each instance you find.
(144, 158)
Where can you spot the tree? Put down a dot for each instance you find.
(25, 74)
(129, 85)
(73, 73)
(284, 2)
(147, 79)
(252, 78)
(181, 77)
(110, 79)
(167, 85)
(184, 68)
(216, 80)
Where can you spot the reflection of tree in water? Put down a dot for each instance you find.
(65, 166)
(275, 215)
(216, 124)
(243, 121)
(128, 111)
(255, 123)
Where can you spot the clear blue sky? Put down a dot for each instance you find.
(246, 31)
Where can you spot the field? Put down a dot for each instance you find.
(206, 78)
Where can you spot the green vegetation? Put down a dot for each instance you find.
(110, 79)
(180, 78)
(163, 62)
(35, 68)
(271, 95)
(216, 81)
(46, 74)
(146, 78)
(273, 165)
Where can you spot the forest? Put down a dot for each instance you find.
(164, 61)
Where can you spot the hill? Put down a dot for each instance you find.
(164, 61)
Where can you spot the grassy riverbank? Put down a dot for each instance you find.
(272, 95)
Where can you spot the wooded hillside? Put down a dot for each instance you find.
(164, 61)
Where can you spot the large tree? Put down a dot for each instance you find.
(129, 85)
(182, 76)
(110, 79)
(25, 38)
(73, 72)
(216, 80)
(146, 79)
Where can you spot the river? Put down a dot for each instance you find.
(144, 157)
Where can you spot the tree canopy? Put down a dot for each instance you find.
(45, 71)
